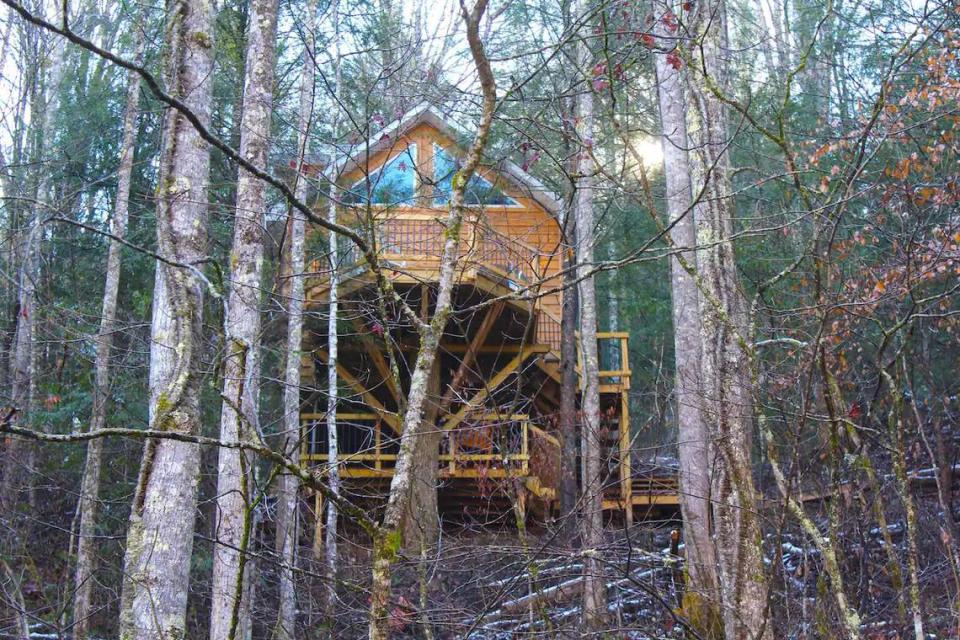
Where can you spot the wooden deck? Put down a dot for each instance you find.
(490, 446)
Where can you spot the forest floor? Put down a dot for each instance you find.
(493, 585)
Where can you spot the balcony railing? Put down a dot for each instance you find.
(417, 239)
(484, 446)
(412, 241)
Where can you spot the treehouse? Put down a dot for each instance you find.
(495, 392)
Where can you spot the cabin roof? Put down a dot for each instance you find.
(425, 113)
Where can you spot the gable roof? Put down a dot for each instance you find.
(425, 113)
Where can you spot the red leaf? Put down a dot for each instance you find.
(669, 21)
(648, 40)
(674, 60)
(855, 411)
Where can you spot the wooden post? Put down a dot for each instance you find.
(453, 453)
(525, 448)
(305, 436)
(626, 482)
(425, 302)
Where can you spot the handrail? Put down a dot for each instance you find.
(456, 457)
(418, 235)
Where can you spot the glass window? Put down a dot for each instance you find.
(392, 184)
(479, 190)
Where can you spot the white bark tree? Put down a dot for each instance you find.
(387, 538)
(43, 104)
(726, 398)
(20, 454)
(692, 434)
(333, 449)
(84, 575)
(288, 485)
(229, 614)
(594, 601)
(160, 537)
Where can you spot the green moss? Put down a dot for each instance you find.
(702, 615)
(203, 39)
(453, 233)
(458, 180)
(163, 404)
(390, 544)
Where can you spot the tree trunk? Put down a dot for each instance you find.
(726, 396)
(421, 525)
(568, 386)
(160, 539)
(241, 370)
(20, 454)
(386, 541)
(591, 438)
(90, 487)
(44, 103)
(692, 433)
(333, 449)
(287, 520)
(569, 470)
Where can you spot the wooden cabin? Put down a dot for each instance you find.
(496, 391)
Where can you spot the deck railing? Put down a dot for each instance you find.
(549, 331)
(412, 237)
(487, 445)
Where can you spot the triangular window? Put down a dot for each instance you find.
(392, 184)
(479, 190)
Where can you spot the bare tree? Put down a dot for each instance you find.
(692, 433)
(44, 101)
(568, 334)
(725, 396)
(19, 475)
(160, 538)
(591, 439)
(386, 542)
(288, 484)
(333, 449)
(241, 377)
(84, 575)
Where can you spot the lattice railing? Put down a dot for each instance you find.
(416, 236)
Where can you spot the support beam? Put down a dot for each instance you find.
(479, 338)
(425, 302)
(456, 348)
(493, 384)
(371, 400)
(379, 362)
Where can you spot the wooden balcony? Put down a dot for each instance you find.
(410, 245)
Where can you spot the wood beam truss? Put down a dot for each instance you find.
(369, 399)
(470, 356)
(498, 379)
